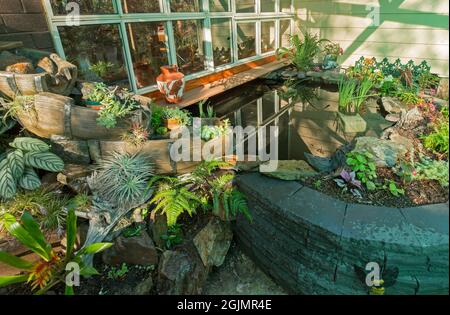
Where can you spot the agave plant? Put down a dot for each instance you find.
(122, 179)
(50, 270)
(17, 166)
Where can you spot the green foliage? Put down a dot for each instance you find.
(182, 116)
(115, 105)
(389, 86)
(122, 178)
(317, 184)
(364, 167)
(118, 273)
(437, 141)
(48, 208)
(133, 231)
(211, 132)
(173, 198)
(50, 270)
(17, 167)
(200, 189)
(209, 110)
(433, 170)
(173, 237)
(352, 94)
(20, 105)
(409, 97)
(428, 80)
(102, 68)
(391, 186)
(303, 52)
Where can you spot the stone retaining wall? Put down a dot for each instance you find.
(24, 20)
(311, 243)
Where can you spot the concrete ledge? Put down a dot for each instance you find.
(311, 243)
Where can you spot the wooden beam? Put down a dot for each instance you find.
(211, 85)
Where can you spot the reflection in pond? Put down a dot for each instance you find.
(305, 115)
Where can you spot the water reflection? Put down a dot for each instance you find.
(305, 115)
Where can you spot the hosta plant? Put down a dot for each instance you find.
(17, 166)
(52, 268)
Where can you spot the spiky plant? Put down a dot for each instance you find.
(122, 178)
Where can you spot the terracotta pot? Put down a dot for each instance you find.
(171, 83)
(172, 124)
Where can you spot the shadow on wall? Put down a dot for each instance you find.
(406, 29)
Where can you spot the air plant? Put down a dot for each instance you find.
(122, 178)
(349, 183)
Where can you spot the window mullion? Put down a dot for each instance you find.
(207, 33)
(171, 39)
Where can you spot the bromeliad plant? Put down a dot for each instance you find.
(50, 270)
(17, 166)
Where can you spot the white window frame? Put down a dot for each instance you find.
(120, 18)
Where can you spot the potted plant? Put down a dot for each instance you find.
(209, 118)
(352, 95)
(96, 96)
(174, 118)
(332, 52)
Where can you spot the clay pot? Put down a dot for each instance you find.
(171, 83)
(172, 124)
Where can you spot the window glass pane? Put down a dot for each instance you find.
(268, 105)
(285, 33)
(285, 6)
(268, 5)
(147, 43)
(140, 6)
(246, 33)
(189, 43)
(221, 41)
(219, 5)
(245, 6)
(87, 7)
(97, 51)
(184, 5)
(268, 36)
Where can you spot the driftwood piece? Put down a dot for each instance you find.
(47, 65)
(58, 115)
(104, 216)
(21, 68)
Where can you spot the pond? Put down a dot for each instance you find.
(305, 113)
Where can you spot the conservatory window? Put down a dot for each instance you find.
(285, 33)
(285, 6)
(97, 51)
(184, 5)
(245, 6)
(219, 5)
(221, 41)
(246, 39)
(141, 6)
(268, 37)
(268, 5)
(87, 7)
(189, 44)
(148, 46)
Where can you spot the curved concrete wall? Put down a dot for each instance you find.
(311, 243)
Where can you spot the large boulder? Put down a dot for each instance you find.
(138, 250)
(386, 153)
(213, 242)
(292, 170)
(392, 105)
(181, 273)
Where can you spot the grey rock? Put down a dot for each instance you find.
(213, 242)
(331, 164)
(181, 273)
(158, 227)
(292, 170)
(386, 153)
(144, 287)
(289, 74)
(392, 105)
(393, 117)
(138, 250)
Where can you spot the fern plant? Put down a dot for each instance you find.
(122, 178)
(17, 166)
(202, 189)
